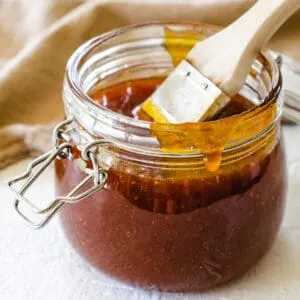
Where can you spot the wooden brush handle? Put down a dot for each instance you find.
(226, 57)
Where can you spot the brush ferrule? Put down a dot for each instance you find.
(185, 96)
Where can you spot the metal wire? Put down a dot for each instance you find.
(61, 150)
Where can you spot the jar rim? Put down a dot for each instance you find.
(72, 80)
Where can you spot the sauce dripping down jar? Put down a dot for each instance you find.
(170, 207)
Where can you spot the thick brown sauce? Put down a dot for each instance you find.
(176, 230)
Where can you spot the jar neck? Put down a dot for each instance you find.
(124, 55)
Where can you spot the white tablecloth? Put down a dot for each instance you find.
(37, 265)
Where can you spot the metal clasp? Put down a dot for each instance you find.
(61, 150)
(290, 71)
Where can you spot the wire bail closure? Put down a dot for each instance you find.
(62, 149)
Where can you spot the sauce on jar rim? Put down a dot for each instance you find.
(210, 138)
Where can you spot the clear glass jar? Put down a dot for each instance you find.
(182, 207)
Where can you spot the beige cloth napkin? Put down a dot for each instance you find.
(37, 37)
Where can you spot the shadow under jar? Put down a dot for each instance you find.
(185, 207)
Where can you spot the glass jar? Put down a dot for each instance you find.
(167, 207)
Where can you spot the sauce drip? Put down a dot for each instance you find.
(178, 44)
(209, 138)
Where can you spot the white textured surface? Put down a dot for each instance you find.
(41, 264)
